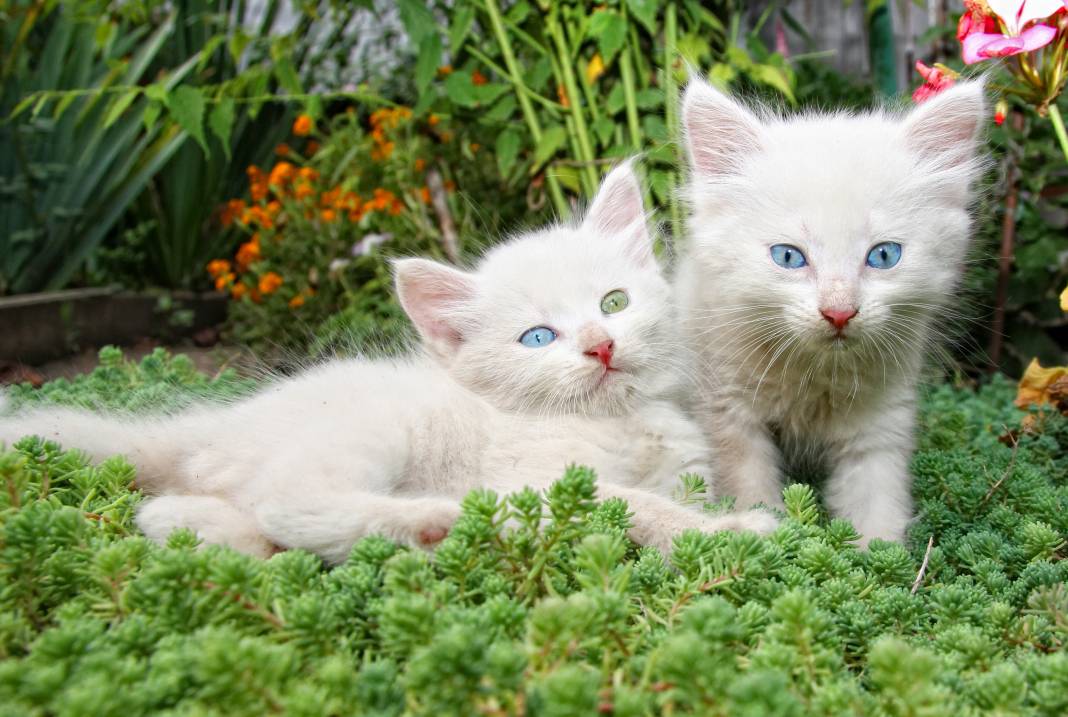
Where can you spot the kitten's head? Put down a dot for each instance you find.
(831, 232)
(570, 319)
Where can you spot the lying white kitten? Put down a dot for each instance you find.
(821, 251)
(558, 349)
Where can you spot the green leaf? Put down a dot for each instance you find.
(774, 77)
(426, 64)
(460, 27)
(152, 112)
(616, 99)
(644, 11)
(501, 111)
(603, 129)
(119, 105)
(23, 105)
(654, 128)
(417, 19)
(238, 42)
(460, 89)
(552, 140)
(609, 29)
(287, 74)
(649, 98)
(507, 150)
(186, 105)
(156, 93)
(221, 121)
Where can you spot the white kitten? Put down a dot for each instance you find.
(558, 349)
(821, 250)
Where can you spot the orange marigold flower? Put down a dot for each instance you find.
(248, 252)
(274, 207)
(424, 194)
(296, 302)
(231, 211)
(328, 215)
(450, 186)
(311, 148)
(356, 214)
(281, 173)
(308, 173)
(420, 164)
(282, 149)
(433, 120)
(223, 281)
(258, 191)
(218, 267)
(395, 207)
(303, 125)
(254, 294)
(382, 152)
(302, 190)
(253, 172)
(238, 291)
(445, 70)
(269, 282)
(446, 137)
(477, 78)
(475, 146)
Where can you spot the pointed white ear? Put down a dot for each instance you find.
(719, 131)
(947, 125)
(617, 213)
(434, 296)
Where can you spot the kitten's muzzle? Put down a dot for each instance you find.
(602, 352)
(838, 318)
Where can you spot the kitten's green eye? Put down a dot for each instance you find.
(614, 301)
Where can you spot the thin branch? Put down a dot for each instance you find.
(923, 566)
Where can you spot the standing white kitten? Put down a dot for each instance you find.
(821, 251)
(557, 349)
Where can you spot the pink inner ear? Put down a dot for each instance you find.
(433, 296)
(718, 131)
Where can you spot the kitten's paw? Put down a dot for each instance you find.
(760, 522)
(428, 522)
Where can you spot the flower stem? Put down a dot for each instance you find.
(529, 115)
(1058, 128)
(671, 92)
(582, 135)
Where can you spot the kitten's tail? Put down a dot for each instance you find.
(155, 446)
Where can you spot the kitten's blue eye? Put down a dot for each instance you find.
(885, 255)
(537, 337)
(788, 256)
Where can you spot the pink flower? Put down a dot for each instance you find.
(1014, 15)
(935, 80)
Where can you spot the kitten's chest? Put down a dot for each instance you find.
(621, 450)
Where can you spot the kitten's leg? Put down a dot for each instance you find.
(329, 524)
(215, 521)
(747, 460)
(657, 520)
(870, 481)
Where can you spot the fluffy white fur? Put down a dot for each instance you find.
(358, 447)
(775, 376)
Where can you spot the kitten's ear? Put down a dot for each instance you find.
(948, 125)
(719, 131)
(434, 296)
(617, 213)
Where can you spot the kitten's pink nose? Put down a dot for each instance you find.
(603, 352)
(838, 318)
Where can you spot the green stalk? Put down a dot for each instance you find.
(589, 172)
(671, 95)
(1058, 128)
(626, 72)
(527, 108)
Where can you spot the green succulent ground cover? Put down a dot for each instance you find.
(560, 616)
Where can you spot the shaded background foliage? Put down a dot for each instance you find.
(170, 103)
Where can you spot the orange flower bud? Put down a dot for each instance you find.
(303, 125)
